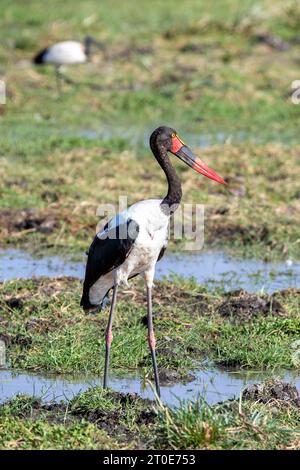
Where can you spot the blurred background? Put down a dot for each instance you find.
(221, 73)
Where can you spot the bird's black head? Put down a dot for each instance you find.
(89, 42)
(165, 139)
(161, 138)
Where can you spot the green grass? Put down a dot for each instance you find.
(95, 419)
(55, 335)
(102, 419)
(21, 434)
(196, 66)
(200, 67)
(229, 425)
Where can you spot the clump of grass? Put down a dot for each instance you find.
(98, 419)
(16, 433)
(191, 426)
(21, 406)
(94, 399)
(95, 419)
(120, 414)
(107, 402)
(230, 425)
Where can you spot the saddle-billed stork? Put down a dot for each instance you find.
(66, 53)
(133, 241)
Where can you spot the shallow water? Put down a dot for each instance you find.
(139, 136)
(214, 385)
(136, 137)
(220, 269)
(211, 268)
(21, 264)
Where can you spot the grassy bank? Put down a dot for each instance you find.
(50, 201)
(99, 419)
(45, 329)
(215, 73)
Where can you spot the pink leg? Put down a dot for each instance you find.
(109, 335)
(151, 339)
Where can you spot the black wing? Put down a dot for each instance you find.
(162, 252)
(39, 58)
(107, 253)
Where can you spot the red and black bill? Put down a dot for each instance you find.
(183, 152)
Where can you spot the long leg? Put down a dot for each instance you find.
(151, 338)
(58, 79)
(108, 335)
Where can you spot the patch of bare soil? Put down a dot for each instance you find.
(170, 377)
(291, 291)
(273, 392)
(16, 222)
(49, 287)
(274, 42)
(14, 302)
(109, 420)
(176, 76)
(39, 325)
(19, 339)
(112, 420)
(240, 305)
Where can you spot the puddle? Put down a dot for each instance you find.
(219, 269)
(213, 384)
(20, 264)
(202, 139)
(136, 137)
(211, 268)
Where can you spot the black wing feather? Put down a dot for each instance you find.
(162, 252)
(106, 254)
(39, 58)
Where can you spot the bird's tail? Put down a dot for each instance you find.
(91, 308)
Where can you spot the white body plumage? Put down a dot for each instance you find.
(153, 226)
(65, 53)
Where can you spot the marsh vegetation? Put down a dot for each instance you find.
(222, 76)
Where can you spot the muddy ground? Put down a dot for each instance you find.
(106, 419)
(275, 393)
(45, 329)
(213, 73)
(222, 76)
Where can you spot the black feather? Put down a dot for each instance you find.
(39, 58)
(106, 254)
(162, 252)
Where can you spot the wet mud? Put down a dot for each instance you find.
(105, 418)
(275, 392)
(240, 305)
(14, 222)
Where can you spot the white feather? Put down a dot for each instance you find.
(65, 53)
(152, 237)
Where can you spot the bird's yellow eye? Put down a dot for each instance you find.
(173, 135)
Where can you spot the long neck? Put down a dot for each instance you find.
(172, 200)
(88, 46)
